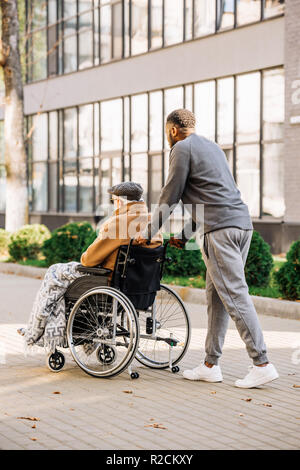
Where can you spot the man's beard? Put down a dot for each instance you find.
(171, 140)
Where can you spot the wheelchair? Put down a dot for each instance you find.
(116, 316)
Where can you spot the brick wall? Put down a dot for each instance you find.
(292, 106)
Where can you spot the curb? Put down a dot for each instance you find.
(263, 305)
(20, 270)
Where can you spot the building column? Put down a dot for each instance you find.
(292, 123)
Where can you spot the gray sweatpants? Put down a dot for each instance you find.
(225, 252)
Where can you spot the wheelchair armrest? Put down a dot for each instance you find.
(96, 270)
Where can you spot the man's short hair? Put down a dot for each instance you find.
(182, 118)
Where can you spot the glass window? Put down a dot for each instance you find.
(117, 30)
(273, 181)
(247, 169)
(96, 34)
(126, 107)
(188, 97)
(139, 27)
(52, 11)
(139, 123)
(116, 170)
(173, 100)
(173, 22)
(2, 142)
(205, 17)
(70, 133)
(229, 155)
(70, 38)
(85, 43)
(225, 14)
(126, 28)
(139, 171)
(39, 13)
(248, 11)
(248, 107)
(40, 137)
(111, 125)
(53, 132)
(70, 186)
(273, 104)
(156, 124)
(225, 110)
(39, 187)
(126, 167)
(188, 19)
(2, 187)
(205, 109)
(156, 23)
(105, 180)
(85, 130)
(39, 55)
(86, 189)
(273, 8)
(105, 29)
(97, 181)
(156, 177)
(53, 187)
(96, 129)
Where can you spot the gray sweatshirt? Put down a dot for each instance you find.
(199, 174)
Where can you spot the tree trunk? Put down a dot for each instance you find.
(15, 155)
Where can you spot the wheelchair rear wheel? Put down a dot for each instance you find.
(169, 325)
(99, 344)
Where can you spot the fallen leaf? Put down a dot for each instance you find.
(72, 409)
(155, 425)
(30, 418)
(127, 391)
(213, 393)
(247, 399)
(241, 414)
(33, 438)
(151, 419)
(296, 386)
(56, 393)
(34, 426)
(267, 404)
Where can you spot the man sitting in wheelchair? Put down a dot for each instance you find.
(47, 323)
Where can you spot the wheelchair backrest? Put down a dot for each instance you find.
(138, 272)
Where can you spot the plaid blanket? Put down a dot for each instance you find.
(47, 322)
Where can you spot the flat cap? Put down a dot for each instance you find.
(129, 190)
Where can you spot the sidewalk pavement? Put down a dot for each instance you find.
(76, 411)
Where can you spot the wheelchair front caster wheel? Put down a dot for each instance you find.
(55, 361)
(134, 375)
(175, 369)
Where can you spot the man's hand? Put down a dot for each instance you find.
(140, 240)
(177, 243)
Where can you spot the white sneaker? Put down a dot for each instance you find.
(258, 376)
(202, 372)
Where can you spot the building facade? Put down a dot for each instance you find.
(101, 77)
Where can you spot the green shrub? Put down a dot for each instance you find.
(4, 242)
(68, 242)
(184, 262)
(259, 262)
(27, 242)
(288, 276)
